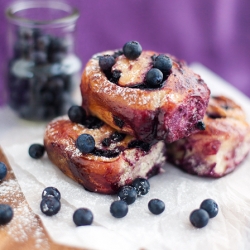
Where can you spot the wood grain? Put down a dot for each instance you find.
(17, 234)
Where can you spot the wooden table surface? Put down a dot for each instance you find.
(25, 231)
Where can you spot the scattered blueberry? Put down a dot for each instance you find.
(85, 143)
(163, 63)
(154, 78)
(3, 170)
(50, 205)
(77, 114)
(83, 217)
(211, 207)
(106, 62)
(6, 214)
(141, 186)
(199, 218)
(201, 125)
(36, 151)
(127, 194)
(51, 192)
(156, 206)
(132, 50)
(119, 209)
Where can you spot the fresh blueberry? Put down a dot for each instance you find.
(127, 194)
(3, 170)
(39, 57)
(83, 217)
(154, 78)
(156, 206)
(141, 186)
(77, 114)
(50, 205)
(85, 143)
(6, 214)
(210, 206)
(36, 150)
(163, 63)
(51, 192)
(201, 125)
(132, 50)
(106, 62)
(199, 218)
(42, 42)
(119, 209)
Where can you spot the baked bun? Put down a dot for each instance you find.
(116, 160)
(124, 99)
(220, 148)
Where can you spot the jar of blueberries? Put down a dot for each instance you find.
(43, 70)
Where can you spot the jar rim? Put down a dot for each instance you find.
(23, 5)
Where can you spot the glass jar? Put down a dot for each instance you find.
(42, 67)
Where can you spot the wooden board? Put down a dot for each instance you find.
(25, 231)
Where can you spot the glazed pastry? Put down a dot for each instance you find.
(220, 148)
(134, 102)
(115, 160)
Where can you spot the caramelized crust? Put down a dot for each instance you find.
(167, 113)
(98, 173)
(219, 149)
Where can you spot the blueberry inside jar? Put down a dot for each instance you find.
(43, 70)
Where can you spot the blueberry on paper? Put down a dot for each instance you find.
(199, 218)
(141, 186)
(83, 217)
(119, 209)
(6, 214)
(3, 171)
(50, 205)
(85, 143)
(156, 206)
(51, 192)
(210, 206)
(36, 150)
(132, 50)
(127, 194)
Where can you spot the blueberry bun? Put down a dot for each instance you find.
(145, 94)
(98, 157)
(220, 148)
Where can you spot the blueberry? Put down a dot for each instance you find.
(57, 57)
(119, 209)
(42, 42)
(50, 205)
(141, 186)
(51, 192)
(85, 143)
(199, 218)
(210, 206)
(6, 214)
(154, 78)
(117, 137)
(106, 153)
(127, 194)
(93, 122)
(132, 50)
(36, 150)
(83, 217)
(106, 62)
(3, 170)
(201, 125)
(115, 76)
(163, 63)
(156, 206)
(39, 57)
(106, 142)
(77, 114)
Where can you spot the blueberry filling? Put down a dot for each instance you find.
(106, 153)
(117, 137)
(117, 53)
(115, 76)
(201, 125)
(106, 142)
(92, 122)
(118, 122)
(83, 217)
(3, 170)
(139, 144)
(214, 115)
(132, 50)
